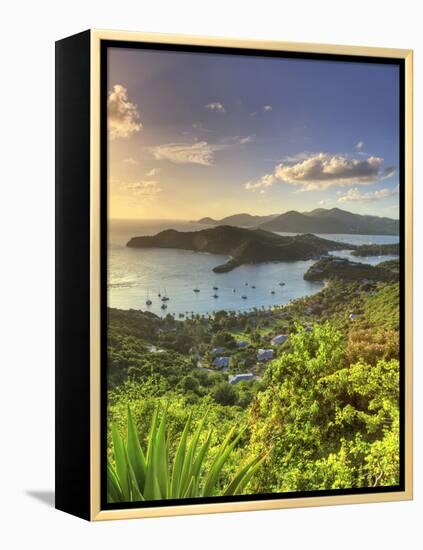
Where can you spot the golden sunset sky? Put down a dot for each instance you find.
(193, 135)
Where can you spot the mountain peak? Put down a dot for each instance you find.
(319, 220)
(333, 220)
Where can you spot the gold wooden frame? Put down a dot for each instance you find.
(97, 513)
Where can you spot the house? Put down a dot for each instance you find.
(242, 344)
(218, 350)
(279, 339)
(265, 354)
(221, 362)
(247, 377)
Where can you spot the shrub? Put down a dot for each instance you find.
(138, 475)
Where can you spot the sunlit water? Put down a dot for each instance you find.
(134, 275)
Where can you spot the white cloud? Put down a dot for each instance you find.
(246, 139)
(130, 161)
(325, 202)
(359, 146)
(261, 184)
(267, 108)
(355, 195)
(153, 172)
(142, 188)
(196, 152)
(321, 171)
(123, 116)
(216, 106)
(199, 152)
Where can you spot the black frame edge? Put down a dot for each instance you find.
(72, 294)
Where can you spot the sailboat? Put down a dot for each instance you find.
(148, 301)
(165, 297)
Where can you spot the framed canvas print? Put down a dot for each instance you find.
(234, 277)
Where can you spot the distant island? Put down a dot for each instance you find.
(243, 220)
(320, 220)
(242, 245)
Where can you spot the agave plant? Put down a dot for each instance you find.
(138, 475)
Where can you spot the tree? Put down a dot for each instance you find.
(225, 394)
(224, 339)
(189, 383)
(328, 424)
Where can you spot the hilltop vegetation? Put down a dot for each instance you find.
(341, 268)
(329, 424)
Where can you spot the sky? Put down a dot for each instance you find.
(195, 134)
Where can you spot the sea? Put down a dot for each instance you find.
(137, 275)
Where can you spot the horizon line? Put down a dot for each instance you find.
(249, 214)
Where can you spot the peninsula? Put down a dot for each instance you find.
(242, 245)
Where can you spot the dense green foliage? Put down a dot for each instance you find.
(324, 410)
(152, 474)
(328, 423)
(381, 309)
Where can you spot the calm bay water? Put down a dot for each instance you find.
(134, 275)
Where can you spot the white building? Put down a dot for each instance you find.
(246, 377)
